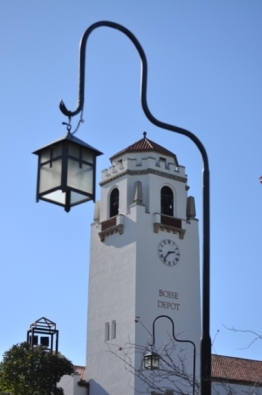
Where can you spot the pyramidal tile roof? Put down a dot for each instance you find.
(146, 145)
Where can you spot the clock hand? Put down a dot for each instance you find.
(169, 252)
(166, 256)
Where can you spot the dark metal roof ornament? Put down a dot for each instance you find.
(48, 334)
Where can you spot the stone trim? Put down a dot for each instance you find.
(143, 172)
(168, 224)
(111, 226)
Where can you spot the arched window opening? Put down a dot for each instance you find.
(167, 201)
(114, 202)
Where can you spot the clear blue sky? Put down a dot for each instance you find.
(205, 74)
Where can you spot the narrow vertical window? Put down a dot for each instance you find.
(113, 330)
(162, 160)
(107, 331)
(167, 201)
(114, 202)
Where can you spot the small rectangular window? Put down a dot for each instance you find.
(113, 330)
(107, 331)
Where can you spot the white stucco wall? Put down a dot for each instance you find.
(70, 386)
(227, 388)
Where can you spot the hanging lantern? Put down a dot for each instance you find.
(66, 172)
(151, 360)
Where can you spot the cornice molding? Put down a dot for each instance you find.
(144, 172)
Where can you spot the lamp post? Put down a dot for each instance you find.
(151, 359)
(205, 349)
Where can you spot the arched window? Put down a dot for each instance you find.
(114, 202)
(167, 201)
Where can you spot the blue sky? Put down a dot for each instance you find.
(205, 75)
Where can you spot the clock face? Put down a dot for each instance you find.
(168, 252)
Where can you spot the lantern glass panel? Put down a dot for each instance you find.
(58, 197)
(74, 150)
(50, 175)
(155, 362)
(76, 198)
(45, 156)
(49, 153)
(87, 156)
(80, 177)
(147, 362)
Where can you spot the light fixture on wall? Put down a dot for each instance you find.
(152, 359)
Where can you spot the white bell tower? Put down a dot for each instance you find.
(144, 263)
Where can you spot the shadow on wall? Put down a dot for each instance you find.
(96, 389)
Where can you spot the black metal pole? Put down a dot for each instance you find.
(205, 346)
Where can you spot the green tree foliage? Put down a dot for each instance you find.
(32, 370)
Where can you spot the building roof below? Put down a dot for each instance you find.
(80, 370)
(230, 369)
(236, 369)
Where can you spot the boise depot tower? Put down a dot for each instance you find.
(144, 263)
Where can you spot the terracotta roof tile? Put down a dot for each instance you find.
(236, 369)
(80, 370)
(146, 145)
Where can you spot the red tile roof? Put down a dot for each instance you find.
(80, 370)
(146, 145)
(224, 369)
(236, 369)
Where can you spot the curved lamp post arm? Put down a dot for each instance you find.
(82, 56)
(205, 338)
(173, 332)
(177, 340)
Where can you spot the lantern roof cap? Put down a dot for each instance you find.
(151, 354)
(70, 137)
